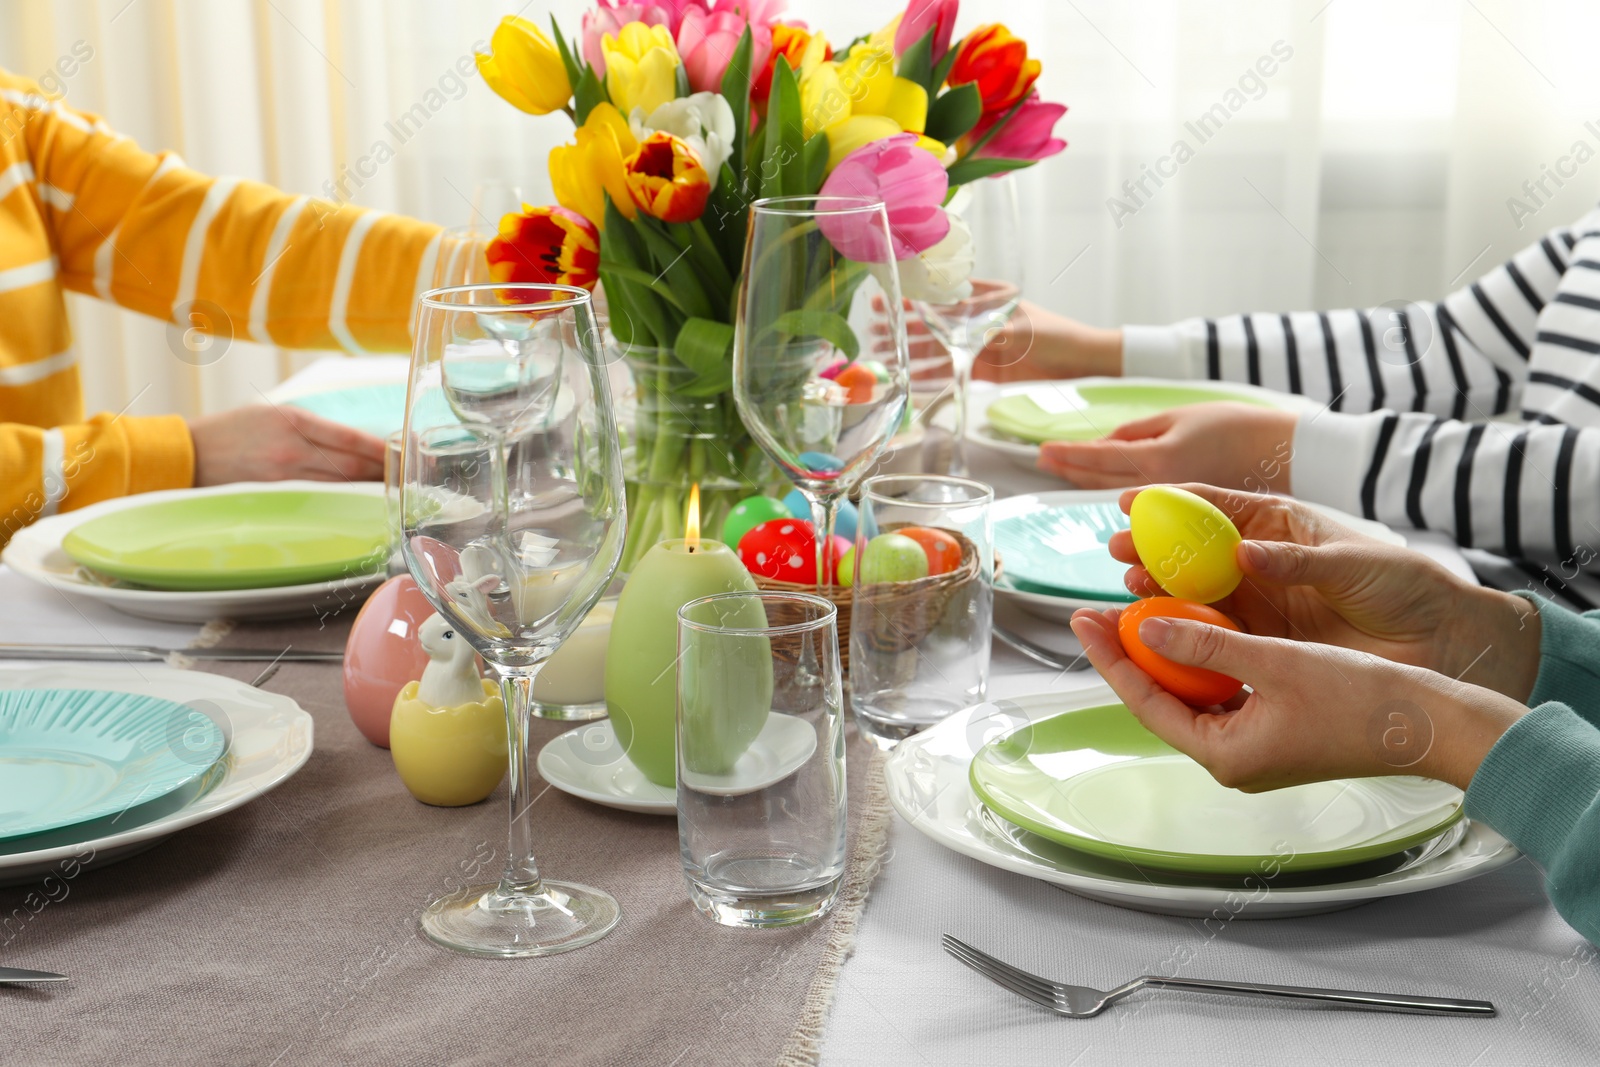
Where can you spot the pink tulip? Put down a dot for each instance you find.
(706, 42)
(756, 12)
(609, 16)
(911, 184)
(922, 16)
(1029, 135)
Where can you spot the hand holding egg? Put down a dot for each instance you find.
(1189, 547)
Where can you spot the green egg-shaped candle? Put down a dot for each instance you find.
(642, 656)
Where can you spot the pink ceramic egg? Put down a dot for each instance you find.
(786, 551)
(383, 654)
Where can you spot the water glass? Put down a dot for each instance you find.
(760, 733)
(919, 647)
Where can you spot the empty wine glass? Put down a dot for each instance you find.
(987, 208)
(814, 266)
(513, 526)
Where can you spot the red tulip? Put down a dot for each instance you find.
(545, 246)
(998, 61)
(666, 179)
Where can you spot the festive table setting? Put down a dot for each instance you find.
(696, 688)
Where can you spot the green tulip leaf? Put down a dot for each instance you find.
(968, 170)
(916, 62)
(736, 91)
(955, 112)
(816, 161)
(828, 325)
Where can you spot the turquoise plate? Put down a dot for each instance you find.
(1060, 550)
(378, 409)
(68, 756)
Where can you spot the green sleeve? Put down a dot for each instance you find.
(1540, 787)
(1569, 659)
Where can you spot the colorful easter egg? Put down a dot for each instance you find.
(942, 548)
(844, 519)
(1192, 685)
(751, 512)
(892, 557)
(1186, 543)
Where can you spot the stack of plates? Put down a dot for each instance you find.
(1054, 548)
(116, 760)
(1070, 789)
(243, 551)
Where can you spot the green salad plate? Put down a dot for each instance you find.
(1081, 412)
(69, 756)
(244, 540)
(1097, 781)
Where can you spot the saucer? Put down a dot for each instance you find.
(589, 763)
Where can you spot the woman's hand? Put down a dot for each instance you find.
(266, 443)
(1313, 713)
(1311, 579)
(1034, 344)
(1226, 443)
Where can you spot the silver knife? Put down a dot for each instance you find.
(152, 654)
(18, 974)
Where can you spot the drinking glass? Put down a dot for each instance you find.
(919, 649)
(988, 209)
(760, 734)
(813, 268)
(463, 255)
(513, 512)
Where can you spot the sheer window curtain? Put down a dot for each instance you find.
(1225, 155)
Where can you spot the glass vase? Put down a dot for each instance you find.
(677, 433)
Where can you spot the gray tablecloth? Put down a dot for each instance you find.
(285, 932)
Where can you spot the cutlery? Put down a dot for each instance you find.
(1040, 654)
(1081, 1002)
(18, 974)
(152, 654)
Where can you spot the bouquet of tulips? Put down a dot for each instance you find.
(686, 112)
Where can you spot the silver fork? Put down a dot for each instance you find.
(1081, 1002)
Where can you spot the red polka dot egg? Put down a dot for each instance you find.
(784, 550)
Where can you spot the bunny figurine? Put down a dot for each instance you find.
(447, 732)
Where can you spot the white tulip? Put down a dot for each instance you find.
(704, 121)
(943, 273)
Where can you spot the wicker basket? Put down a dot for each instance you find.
(902, 613)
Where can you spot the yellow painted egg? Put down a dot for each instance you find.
(1186, 543)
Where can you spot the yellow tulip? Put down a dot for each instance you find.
(854, 132)
(860, 99)
(525, 68)
(641, 67)
(582, 173)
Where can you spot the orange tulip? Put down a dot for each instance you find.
(794, 43)
(544, 246)
(998, 61)
(665, 178)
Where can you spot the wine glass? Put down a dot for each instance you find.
(814, 268)
(513, 515)
(493, 198)
(988, 209)
(463, 257)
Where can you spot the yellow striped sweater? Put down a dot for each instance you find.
(85, 209)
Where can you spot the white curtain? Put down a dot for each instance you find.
(1339, 152)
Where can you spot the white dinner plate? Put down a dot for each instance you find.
(589, 763)
(1060, 608)
(35, 553)
(269, 739)
(928, 785)
(981, 435)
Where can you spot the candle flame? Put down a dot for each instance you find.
(691, 519)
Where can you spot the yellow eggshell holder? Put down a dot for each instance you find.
(453, 756)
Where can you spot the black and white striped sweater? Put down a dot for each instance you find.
(1478, 415)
